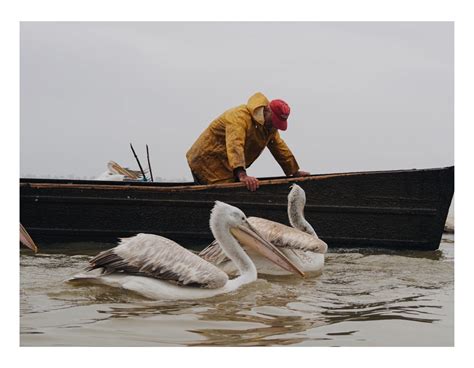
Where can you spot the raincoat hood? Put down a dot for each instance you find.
(255, 105)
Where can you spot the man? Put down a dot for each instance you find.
(233, 141)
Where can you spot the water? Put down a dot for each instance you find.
(363, 298)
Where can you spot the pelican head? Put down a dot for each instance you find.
(296, 204)
(297, 197)
(233, 216)
(227, 219)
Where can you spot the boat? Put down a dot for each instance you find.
(396, 209)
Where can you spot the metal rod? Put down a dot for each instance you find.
(149, 166)
(139, 164)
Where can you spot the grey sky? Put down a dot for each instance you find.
(364, 96)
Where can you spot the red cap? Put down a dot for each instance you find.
(280, 112)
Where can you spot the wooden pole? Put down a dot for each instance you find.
(149, 166)
(139, 164)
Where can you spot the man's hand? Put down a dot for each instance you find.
(250, 181)
(301, 173)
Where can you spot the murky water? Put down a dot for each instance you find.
(363, 298)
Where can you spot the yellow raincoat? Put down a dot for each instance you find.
(235, 139)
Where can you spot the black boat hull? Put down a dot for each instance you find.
(403, 209)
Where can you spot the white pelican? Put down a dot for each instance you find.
(115, 172)
(299, 243)
(159, 268)
(26, 240)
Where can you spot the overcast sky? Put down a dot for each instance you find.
(364, 96)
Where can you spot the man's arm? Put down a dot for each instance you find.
(235, 135)
(301, 173)
(250, 181)
(284, 156)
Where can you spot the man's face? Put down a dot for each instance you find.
(267, 114)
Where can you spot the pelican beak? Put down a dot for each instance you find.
(26, 240)
(248, 236)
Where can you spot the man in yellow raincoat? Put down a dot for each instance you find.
(233, 141)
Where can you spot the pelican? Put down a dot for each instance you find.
(26, 240)
(299, 243)
(159, 268)
(115, 172)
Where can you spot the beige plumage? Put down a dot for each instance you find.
(115, 172)
(300, 243)
(158, 257)
(159, 268)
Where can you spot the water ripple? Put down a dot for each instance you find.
(361, 299)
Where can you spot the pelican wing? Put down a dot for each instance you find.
(214, 254)
(26, 240)
(280, 235)
(161, 258)
(115, 168)
(283, 236)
